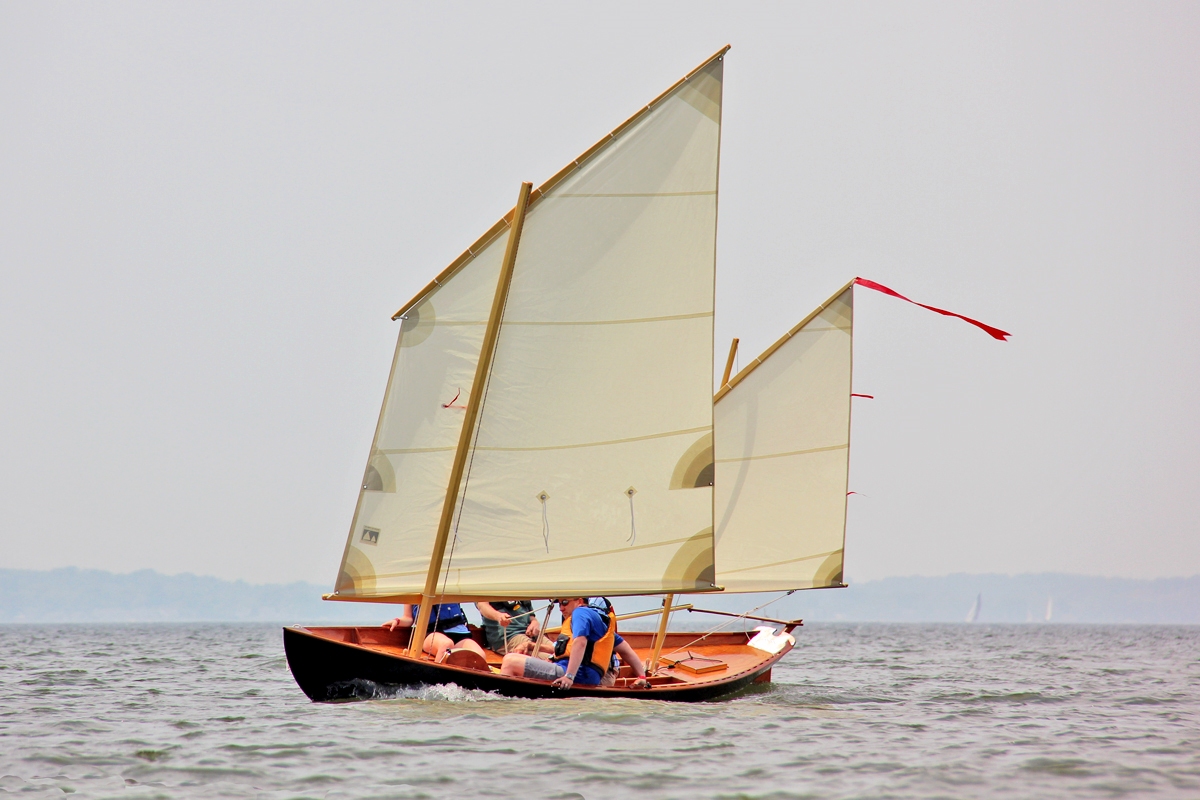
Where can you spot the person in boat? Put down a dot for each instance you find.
(511, 626)
(587, 658)
(447, 629)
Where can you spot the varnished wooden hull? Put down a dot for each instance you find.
(332, 664)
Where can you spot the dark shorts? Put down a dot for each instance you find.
(454, 637)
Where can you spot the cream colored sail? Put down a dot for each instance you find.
(394, 524)
(782, 459)
(597, 418)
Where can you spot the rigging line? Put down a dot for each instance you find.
(741, 616)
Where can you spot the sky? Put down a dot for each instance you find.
(209, 212)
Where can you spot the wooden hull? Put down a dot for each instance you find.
(332, 664)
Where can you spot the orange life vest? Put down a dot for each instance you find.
(598, 653)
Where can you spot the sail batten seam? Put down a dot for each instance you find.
(828, 449)
(706, 193)
(645, 438)
(510, 564)
(632, 321)
(780, 563)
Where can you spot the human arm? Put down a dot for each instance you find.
(630, 657)
(499, 617)
(405, 620)
(578, 648)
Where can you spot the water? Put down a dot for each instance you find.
(865, 711)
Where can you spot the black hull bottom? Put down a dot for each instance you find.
(328, 670)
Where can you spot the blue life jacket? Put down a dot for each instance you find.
(442, 616)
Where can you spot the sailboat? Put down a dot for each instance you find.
(549, 429)
(973, 613)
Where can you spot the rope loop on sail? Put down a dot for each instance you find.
(630, 492)
(545, 519)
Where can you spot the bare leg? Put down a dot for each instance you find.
(469, 644)
(514, 665)
(436, 644)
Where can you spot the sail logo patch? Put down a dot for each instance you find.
(370, 536)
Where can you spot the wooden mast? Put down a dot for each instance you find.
(661, 637)
(729, 361)
(468, 428)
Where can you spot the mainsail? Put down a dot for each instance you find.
(586, 471)
(782, 458)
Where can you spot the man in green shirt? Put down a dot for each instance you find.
(510, 625)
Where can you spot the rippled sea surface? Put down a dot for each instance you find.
(855, 711)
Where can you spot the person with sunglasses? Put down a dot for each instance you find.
(587, 656)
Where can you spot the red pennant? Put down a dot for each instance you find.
(868, 396)
(995, 333)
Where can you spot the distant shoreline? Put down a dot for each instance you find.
(77, 596)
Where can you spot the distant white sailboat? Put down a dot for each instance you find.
(1049, 607)
(973, 614)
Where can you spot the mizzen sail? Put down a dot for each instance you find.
(782, 458)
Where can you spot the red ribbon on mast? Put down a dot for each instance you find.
(995, 333)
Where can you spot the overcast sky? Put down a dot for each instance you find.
(209, 212)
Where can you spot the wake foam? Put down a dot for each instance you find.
(437, 692)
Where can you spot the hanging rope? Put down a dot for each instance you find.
(545, 520)
(630, 492)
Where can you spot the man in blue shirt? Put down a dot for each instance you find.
(588, 652)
